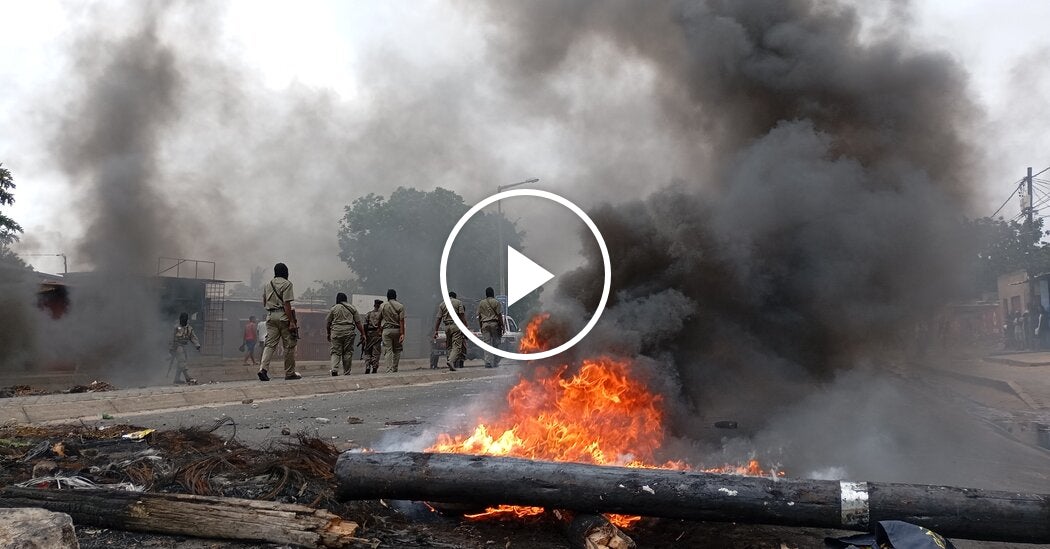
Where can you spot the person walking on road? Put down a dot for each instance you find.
(280, 323)
(455, 341)
(1042, 329)
(260, 334)
(373, 342)
(183, 336)
(339, 325)
(251, 335)
(490, 317)
(392, 315)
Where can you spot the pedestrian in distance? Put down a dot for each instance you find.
(1028, 321)
(372, 345)
(392, 315)
(490, 318)
(280, 323)
(251, 336)
(1043, 328)
(455, 341)
(340, 323)
(260, 334)
(183, 336)
(1008, 332)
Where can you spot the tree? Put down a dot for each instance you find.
(253, 289)
(326, 290)
(8, 228)
(1001, 247)
(397, 243)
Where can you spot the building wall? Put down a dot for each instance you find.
(1013, 292)
(312, 344)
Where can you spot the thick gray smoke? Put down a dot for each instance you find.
(125, 95)
(819, 225)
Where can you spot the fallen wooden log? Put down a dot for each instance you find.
(593, 531)
(189, 515)
(954, 512)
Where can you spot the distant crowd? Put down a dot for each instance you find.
(1028, 330)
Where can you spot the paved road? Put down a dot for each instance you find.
(429, 408)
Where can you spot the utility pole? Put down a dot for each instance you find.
(1028, 181)
(1030, 229)
(499, 231)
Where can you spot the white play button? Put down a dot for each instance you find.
(523, 276)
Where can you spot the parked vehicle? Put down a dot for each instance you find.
(511, 339)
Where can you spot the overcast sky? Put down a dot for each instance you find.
(332, 46)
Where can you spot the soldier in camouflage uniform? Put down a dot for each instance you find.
(339, 324)
(373, 342)
(455, 341)
(490, 318)
(183, 336)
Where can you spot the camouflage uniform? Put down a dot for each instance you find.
(183, 336)
(391, 314)
(490, 312)
(342, 322)
(455, 341)
(275, 294)
(373, 341)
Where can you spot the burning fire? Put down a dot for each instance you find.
(530, 341)
(596, 413)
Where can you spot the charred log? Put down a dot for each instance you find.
(953, 512)
(188, 515)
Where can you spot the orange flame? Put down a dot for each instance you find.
(596, 414)
(530, 340)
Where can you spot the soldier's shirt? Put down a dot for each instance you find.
(274, 300)
(373, 321)
(184, 335)
(446, 319)
(489, 309)
(342, 318)
(392, 313)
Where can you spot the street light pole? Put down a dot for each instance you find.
(65, 265)
(499, 230)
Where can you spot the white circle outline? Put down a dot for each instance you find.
(605, 261)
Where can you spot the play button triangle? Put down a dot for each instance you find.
(523, 276)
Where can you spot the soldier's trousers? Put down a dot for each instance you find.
(373, 351)
(392, 348)
(278, 331)
(455, 344)
(180, 364)
(343, 351)
(490, 334)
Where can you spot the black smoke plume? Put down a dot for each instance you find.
(125, 96)
(819, 226)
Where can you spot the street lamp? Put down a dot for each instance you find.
(499, 230)
(65, 267)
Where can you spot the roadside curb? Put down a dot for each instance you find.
(994, 383)
(71, 407)
(1014, 362)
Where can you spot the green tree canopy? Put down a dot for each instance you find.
(325, 290)
(8, 228)
(397, 243)
(1002, 247)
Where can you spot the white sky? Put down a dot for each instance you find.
(318, 44)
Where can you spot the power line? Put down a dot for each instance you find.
(1017, 187)
(1007, 201)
